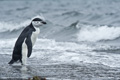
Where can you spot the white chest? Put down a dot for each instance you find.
(34, 36)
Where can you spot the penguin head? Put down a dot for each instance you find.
(37, 22)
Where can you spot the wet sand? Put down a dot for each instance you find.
(83, 71)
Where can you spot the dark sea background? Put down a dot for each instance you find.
(77, 31)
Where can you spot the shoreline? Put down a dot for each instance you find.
(84, 71)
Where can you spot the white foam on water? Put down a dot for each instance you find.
(70, 52)
(49, 51)
(10, 26)
(95, 33)
(6, 46)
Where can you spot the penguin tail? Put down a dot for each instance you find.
(11, 62)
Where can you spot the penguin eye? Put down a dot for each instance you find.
(38, 22)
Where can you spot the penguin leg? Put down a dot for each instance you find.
(24, 53)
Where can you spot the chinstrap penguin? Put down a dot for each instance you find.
(26, 40)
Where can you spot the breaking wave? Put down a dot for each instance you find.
(9, 27)
(74, 32)
(98, 33)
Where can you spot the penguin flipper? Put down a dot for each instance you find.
(29, 45)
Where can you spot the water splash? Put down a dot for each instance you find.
(97, 33)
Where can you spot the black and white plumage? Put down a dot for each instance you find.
(26, 40)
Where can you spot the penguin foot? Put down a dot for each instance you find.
(11, 62)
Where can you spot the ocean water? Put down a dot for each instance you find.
(77, 31)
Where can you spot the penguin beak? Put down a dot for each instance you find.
(44, 22)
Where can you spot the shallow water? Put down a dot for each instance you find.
(69, 71)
